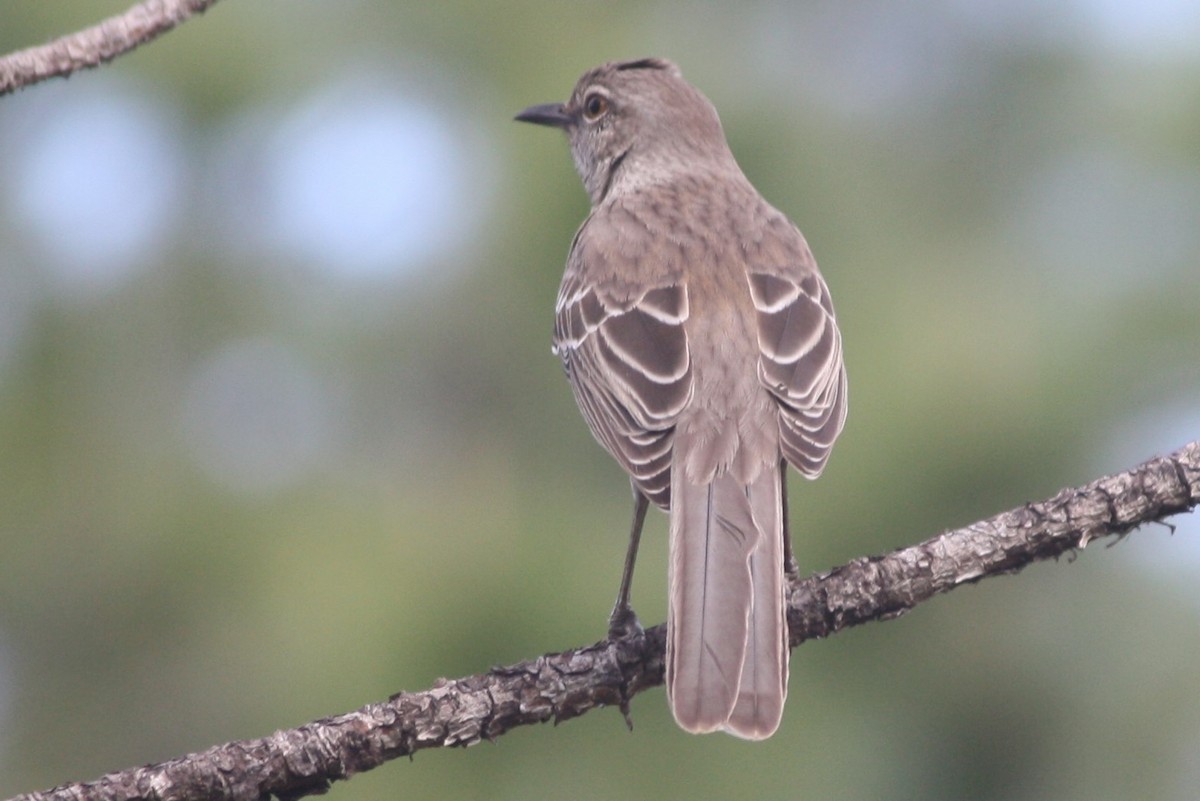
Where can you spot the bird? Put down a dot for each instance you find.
(702, 348)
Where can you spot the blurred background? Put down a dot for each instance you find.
(281, 434)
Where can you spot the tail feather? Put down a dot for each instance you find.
(726, 635)
(763, 688)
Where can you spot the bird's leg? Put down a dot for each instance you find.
(790, 568)
(623, 622)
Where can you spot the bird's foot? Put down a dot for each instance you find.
(623, 623)
(791, 570)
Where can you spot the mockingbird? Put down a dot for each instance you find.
(702, 348)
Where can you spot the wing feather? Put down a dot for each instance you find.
(800, 363)
(630, 368)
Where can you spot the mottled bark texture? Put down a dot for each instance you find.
(290, 764)
(96, 45)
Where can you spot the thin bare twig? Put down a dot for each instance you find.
(96, 45)
(302, 761)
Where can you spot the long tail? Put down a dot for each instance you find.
(727, 654)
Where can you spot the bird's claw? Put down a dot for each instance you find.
(623, 623)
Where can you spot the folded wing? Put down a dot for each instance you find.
(800, 363)
(630, 368)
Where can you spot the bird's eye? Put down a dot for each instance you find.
(595, 106)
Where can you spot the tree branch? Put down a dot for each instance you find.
(96, 45)
(302, 761)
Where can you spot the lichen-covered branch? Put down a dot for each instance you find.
(302, 761)
(94, 46)
(882, 587)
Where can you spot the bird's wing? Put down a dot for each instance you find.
(626, 354)
(800, 361)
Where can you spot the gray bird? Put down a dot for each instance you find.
(702, 348)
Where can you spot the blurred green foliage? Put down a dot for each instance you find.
(1016, 321)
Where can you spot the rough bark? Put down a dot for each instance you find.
(297, 762)
(94, 46)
